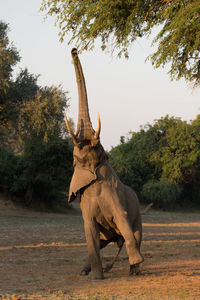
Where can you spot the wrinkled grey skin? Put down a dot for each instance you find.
(110, 209)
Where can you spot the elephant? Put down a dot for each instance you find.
(110, 209)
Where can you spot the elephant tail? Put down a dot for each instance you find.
(147, 209)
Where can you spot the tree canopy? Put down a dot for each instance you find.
(119, 23)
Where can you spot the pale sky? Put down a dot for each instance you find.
(126, 93)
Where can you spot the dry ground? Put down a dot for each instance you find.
(41, 255)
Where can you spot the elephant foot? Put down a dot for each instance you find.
(93, 274)
(107, 268)
(134, 270)
(85, 271)
(96, 276)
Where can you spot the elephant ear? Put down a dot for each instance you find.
(80, 179)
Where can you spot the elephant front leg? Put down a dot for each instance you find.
(87, 267)
(93, 243)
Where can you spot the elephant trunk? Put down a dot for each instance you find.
(84, 126)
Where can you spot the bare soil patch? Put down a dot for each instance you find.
(41, 255)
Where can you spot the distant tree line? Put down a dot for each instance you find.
(162, 162)
(35, 150)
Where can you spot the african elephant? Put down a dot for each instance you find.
(109, 208)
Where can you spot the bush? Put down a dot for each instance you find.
(164, 195)
(9, 166)
(41, 174)
(48, 167)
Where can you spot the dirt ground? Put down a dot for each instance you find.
(41, 255)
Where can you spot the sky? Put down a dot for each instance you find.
(127, 93)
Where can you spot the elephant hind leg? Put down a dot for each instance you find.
(109, 266)
(132, 247)
(137, 229)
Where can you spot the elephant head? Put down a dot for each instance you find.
(88, 151)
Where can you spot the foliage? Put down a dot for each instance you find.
(8, 59)
(48, 168)
(20, 91)
(162, 194)
(41, 174)
(9, 169)
(178, 153)
(179, 40)
(131, 159)
(119, 23)
(47, 157)
(36, 152)
(163, 156)
(43, 114)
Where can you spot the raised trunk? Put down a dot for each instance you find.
(84, 126)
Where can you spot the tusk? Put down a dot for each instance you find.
(98, 126)
(70, 130)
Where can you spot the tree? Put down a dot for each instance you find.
(162, 161)
(8, 59)
(177, 159)
(178, 152)
(35, 149)
(131, 159)
(46, 158)
(20, 92)
(119, 23)
(42, 115)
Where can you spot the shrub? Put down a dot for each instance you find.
(41, 174)
(9, 164)
(164, 195)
